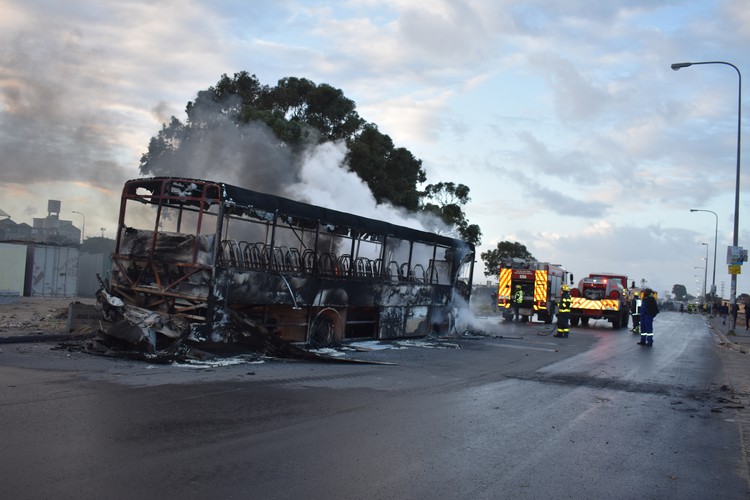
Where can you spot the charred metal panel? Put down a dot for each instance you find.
(400, 322)
(177, 264)
(167, 247)
(391, 322)
(258, 287)
(417, 321)
(405, 308)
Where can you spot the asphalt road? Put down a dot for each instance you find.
(515, 415)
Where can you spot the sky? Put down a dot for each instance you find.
(565, 119)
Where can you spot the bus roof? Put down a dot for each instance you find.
(237, 199)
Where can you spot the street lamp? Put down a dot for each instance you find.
(83, 228)
(699, 280)
(716, 239)
(697, 283)
(733, 288)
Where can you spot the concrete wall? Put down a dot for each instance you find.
(89, 264)
(12, 268)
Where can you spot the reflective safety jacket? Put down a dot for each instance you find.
(518, 296)
(564, 305)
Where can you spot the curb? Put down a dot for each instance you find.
(28, 339)
(725, 342)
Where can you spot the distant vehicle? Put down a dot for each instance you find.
(540, 282)
(601, 296)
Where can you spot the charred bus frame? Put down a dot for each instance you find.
(203, 250)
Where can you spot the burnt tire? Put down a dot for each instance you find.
(322, 332)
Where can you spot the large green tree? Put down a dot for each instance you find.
(301, 113)
(679, 292)
(391, 173)
(446, 200)
(505, 250)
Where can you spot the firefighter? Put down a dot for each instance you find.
(635, 309)
(563, 313)
(517, 300)
(649, 310)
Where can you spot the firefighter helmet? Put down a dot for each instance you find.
(565, 288)
(518, 286)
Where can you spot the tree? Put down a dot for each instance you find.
(449, 198)
(505, 250)
(679, 292)
(391, 173)
(98, 244)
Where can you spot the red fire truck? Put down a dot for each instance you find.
(601, 296)
(540, 283)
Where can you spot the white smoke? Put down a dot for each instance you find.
(252, 157)
(326, 180)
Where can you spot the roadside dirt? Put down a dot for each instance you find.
(36, 315)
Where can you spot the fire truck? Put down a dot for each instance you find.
(601, 296)
(540, 283)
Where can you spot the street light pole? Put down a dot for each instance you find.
(733, 288)
(716, 239)
(83, 228)
(705, 271)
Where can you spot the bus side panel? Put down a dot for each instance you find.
(404, 322)
(403, 310)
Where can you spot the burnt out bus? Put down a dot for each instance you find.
(206, 252)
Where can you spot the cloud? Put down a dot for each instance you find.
(563, 204)
(75, 84)
(652, 252)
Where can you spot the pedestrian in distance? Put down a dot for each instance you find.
(723, 311)
(649, 310)
(747, 315)
(563, 313)
(734, 310)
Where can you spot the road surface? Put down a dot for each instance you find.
(518, 414)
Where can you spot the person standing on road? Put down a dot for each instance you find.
(747, 315)
(635, 311)
(517, 300)
(649, 310)
(563, 313)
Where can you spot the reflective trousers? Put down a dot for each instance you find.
(563, 323)
(647, 329)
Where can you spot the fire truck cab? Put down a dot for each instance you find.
(540, 283)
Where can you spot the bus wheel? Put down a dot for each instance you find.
(322, 331)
